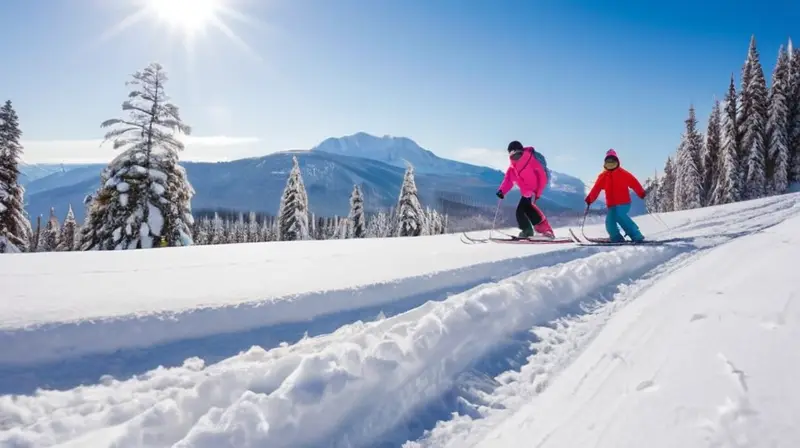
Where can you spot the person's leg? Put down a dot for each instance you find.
(627, 223)
(540, 224)
(523, 222)
(611, 225)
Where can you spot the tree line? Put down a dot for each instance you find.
(751, 147)
(144, 197)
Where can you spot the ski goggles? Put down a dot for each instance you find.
(610, 163)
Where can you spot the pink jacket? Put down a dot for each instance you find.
(527, 173)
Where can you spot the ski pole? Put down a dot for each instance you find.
(658, 218)
(494, 221)
(583, 223)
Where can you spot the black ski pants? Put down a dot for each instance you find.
(527, 214)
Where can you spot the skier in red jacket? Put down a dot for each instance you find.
(616, 181)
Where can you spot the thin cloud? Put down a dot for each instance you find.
(206, 149)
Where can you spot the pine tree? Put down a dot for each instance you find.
(710, 156)
(252, 228)
(793, 104)
(146, 195)
(778, 126)
(409, 209)
(754, 140)
(667, 190)
(49, 236)
(68, 233)
(651, 200)
(358, 228)
(728, 188)
(689, 181)
(744, 111)
(15, 227)
(293, 212)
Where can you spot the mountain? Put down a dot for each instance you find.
(397, 151)
(329, 172)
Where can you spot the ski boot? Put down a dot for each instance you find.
(526, 233)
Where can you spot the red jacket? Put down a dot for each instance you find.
(616, 184)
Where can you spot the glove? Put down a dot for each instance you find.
(500, 194)
(643, 195)
(588, 202)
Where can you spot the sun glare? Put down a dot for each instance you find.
(188, 15)
(188, 18)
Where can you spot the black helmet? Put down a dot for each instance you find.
(514, 146)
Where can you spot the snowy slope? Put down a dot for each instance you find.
(453, 334)
(701, 358)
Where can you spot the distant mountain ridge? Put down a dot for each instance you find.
(329, 171)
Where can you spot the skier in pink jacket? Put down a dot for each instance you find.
(530, 176)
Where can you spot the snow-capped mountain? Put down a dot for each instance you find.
(397, 151)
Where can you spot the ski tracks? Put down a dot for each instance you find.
(559, 343)
(355, 387)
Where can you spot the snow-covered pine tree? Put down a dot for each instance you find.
(312, 225)
(358, 228)
(147, 195)
(689, 181)
(778, 126)
(794, 114)
(252, 228)
(293, 212)
(728, 187)
(320, 228)
(651, 200)
(68, 232)
(754, 140)
(667, 190)
(409, 209)
(15, 227)
(217, 230)
(343, 229)
(377, 225)
(49, 239)
(745, 106)
(710, 155)
(87, 234)
(241, 229)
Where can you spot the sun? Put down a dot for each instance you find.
(190, 19)
(189, 16)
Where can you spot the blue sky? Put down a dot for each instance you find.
(462, 78)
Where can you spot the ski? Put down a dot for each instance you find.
(607, 242)
(532, 240)
(466, 239)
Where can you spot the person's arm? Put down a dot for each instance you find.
(598, 186)
(633, 182)
(508, 182)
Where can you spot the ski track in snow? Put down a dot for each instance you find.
(558, 347)
(331, 383)
(66, 355)
(465, 354)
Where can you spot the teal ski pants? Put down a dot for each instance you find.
(617, 217)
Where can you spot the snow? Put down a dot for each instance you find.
(691, 362)
(488, 345)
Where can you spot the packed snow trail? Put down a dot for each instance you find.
(701, 358)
